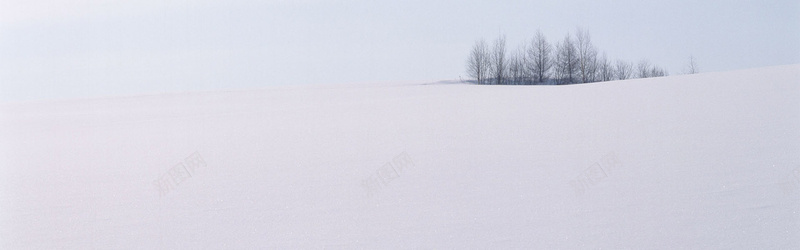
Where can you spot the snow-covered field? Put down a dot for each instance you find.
(696, 161)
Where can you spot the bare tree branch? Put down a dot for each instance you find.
(499, 60)
(478, 63)
(623, 70)
(540, 58)
(566, 61)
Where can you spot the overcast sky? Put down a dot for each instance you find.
(89, 48)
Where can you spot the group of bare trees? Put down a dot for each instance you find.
(572, 60)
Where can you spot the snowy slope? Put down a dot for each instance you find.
(698, 161)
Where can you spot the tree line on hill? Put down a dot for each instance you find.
(572, 60)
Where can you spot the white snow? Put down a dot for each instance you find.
(696, 161)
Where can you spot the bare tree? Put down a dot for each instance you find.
(539, 58)
(572, 60)
(499, 60)
(478, 63)
(566, 61)
(643, 69)
(516, 67)
(691, 68)
(587, 56)
(656, 71)
(605, 71)
(623, 70)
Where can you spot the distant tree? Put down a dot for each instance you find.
(623, 70)
(478, 64)
(516, 67)
(587, 55)
(643, 69)
(656, 71)
(539, 58)
(605, 71)
(572, 60)
(499, 60)
(566, 61)
(691, 68)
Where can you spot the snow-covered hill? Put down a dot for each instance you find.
(696, 161)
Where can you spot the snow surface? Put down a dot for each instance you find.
(696, 161)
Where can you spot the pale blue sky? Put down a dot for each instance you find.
(90, 48)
